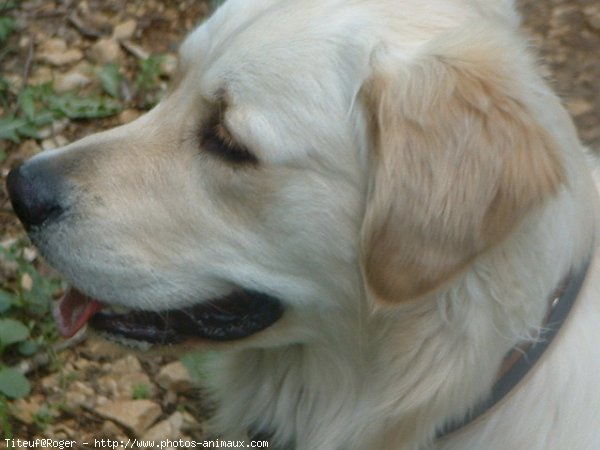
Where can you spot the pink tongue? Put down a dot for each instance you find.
(73, 311)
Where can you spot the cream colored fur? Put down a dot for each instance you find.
(420, 194)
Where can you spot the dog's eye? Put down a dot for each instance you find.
(216, 140)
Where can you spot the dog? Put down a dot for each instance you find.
(366, 205)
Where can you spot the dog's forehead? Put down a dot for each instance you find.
(287, 65)
(256, 37)
(256, 31)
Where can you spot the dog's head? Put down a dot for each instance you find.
(308, 157)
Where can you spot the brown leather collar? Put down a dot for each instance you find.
(523, 357)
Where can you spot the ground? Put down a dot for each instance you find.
(118, 57)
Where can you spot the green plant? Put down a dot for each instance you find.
(5, 426)
(39, 106)
(7, 25)
(25, 323)
(140, 391)
(196, 363)
(13, 384)
(45, 416)
(147, 81)
(111, 79)
(4, 92)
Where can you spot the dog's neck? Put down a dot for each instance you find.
(522, 358)
(402, 372)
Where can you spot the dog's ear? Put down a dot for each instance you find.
(458, 161)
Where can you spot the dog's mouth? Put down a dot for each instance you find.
(235, 316)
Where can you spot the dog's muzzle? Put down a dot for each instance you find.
(39, 192)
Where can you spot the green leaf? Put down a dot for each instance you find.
(28, 348)
(13, 384)
(39, 298)
(7, 25)
(150, 69)
(43, 118)
(4, 90)
(26, 102)
(111, 79)
(12, 331)
(75, 107)
(10, 127)
(6, 300)
(6, 5)
(29, 130)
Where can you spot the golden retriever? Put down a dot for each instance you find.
(368, 202)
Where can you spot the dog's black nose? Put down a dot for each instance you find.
(34, 189)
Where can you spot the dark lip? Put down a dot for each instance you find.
(235, 316)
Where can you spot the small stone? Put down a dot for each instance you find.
(84, 68)
(56, 127)
(50, 382)
(24, 41)
(62, 430)
(590, 134)
(129, 363)
(168, 64)
(166, 429)
(106, 51)
(189, 423)
(70, 82)
(124, 30)
(74, 400)
(30, 254)
(55, 52)
(41, 75)
(83, 388)
(109, 386)
(578, 107)
(54, 142)
(99, 21)
(175, 377)
(135, 415)
(82, 364)
(111, 430)
(29, 148)
(169, 398)
(592, 14)
(135, 50)
(126, 380)
(96, 348)
(54, 45)
(68, 57)
(25, 409)
(26, 282)
(128, 115)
